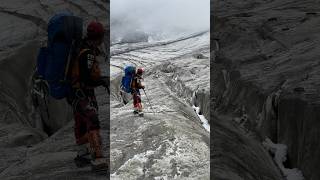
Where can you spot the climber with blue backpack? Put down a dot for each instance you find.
(86, 75)
(68, 68)
(132, 82)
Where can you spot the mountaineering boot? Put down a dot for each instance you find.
(140, 109)
(135, 111)
(83, 157)
(99, 162)
(140, 113)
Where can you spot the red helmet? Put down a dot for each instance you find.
(140, 71)
(95, 30)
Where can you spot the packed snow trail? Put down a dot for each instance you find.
(170, 143)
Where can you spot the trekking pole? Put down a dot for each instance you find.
(108, 90)
(149, 101)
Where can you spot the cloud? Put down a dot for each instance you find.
(159, 16)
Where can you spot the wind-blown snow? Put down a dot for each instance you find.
(280, 156)
(203, 120)
(133, 166)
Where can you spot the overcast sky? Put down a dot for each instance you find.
(161, 15)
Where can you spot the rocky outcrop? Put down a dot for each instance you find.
(266, 70)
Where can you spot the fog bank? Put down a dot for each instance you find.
(158, 19)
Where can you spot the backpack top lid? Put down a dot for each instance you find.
(59, 15)
(65, 24)
(129, 70)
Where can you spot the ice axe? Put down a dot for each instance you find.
(149, 101)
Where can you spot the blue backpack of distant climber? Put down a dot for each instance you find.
(64, 37)
(126, 81)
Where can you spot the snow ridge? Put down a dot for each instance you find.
(280, 156)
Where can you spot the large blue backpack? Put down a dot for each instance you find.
(64, 38)
(126, 81)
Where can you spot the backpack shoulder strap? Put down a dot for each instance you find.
(82, 51)
(75, 69)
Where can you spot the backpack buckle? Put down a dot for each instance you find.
(80, 94)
